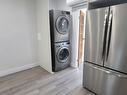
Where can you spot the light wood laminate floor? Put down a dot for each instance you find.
(37, 81)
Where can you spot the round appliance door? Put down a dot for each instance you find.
(62, 24)
(63, 54)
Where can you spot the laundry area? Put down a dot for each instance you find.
(67, 28)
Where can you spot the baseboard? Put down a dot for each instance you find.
(18, 69)
(74, 64)
(50, 71)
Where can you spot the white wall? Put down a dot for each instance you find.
(44, 34)
(75, 38)
(18, 42)
(62, 5)
(73, 2)
(52, 4)
(59, 5)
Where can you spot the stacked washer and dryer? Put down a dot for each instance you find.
(60, 28)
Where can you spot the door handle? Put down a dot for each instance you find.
(105, 33)
(109, 34)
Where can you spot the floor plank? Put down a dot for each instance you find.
(37, 81)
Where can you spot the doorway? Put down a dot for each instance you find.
(81, 41)
(78, 36)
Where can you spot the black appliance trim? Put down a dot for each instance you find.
(104, 3)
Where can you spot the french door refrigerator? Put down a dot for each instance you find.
(105, 66)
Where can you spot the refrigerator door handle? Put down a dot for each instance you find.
(109, 33)
(105, 33)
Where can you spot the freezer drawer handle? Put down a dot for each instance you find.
(111, 73)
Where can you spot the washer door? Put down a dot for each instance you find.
(62, 24)
(63, 54)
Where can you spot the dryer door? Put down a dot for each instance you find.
(62, 24)
(63, 54)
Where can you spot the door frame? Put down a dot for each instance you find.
(81, 37)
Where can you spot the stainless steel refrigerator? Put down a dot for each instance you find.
(105, 66)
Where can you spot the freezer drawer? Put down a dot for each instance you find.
(103, 81)
(94, 35)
